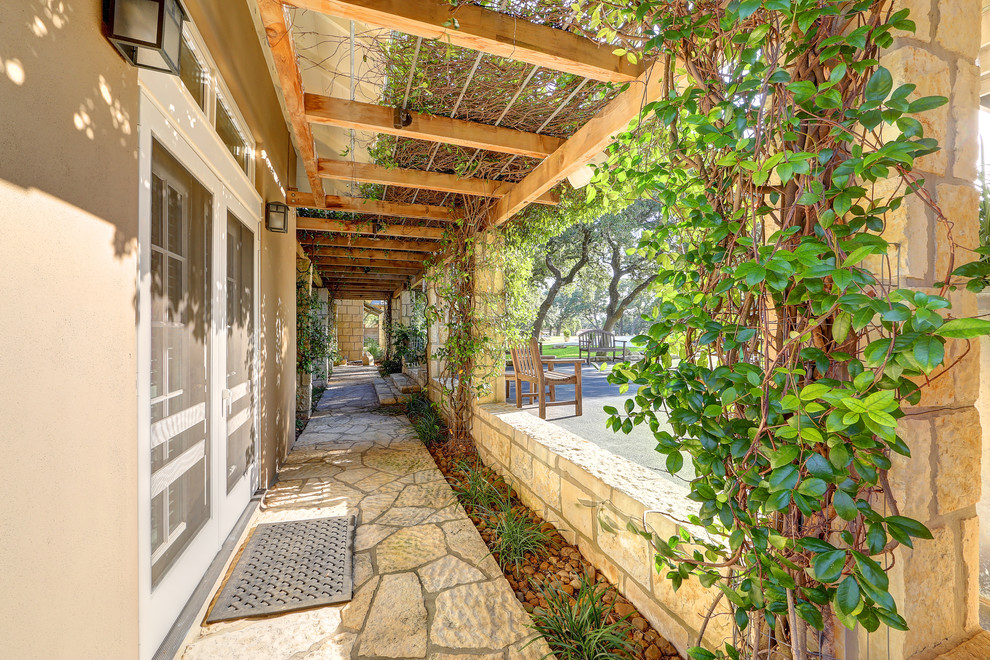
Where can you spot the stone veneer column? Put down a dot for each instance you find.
(489, 285)
(350, 328)
(935, 585)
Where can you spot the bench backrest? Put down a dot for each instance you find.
(526, 360)
(596, 339)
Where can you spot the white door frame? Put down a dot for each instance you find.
(167, 115)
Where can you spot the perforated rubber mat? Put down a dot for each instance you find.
(289, 566)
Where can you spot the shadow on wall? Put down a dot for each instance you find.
(68, 112)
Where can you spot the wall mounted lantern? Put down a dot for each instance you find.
(148, 33)
(277, 217)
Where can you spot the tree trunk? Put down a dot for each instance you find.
(560, 281)
(615, 314)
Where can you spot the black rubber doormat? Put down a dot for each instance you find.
(289, 566)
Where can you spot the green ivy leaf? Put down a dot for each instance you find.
(879, 86)
(844, 505)
(847, 597)
(828, 566)
(964, 328)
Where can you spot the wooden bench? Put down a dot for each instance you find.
(599, 341)
(529, 366)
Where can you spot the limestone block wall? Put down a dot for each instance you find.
(350, 328)
(577, 486)
(936, 584)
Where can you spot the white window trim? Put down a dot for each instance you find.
(217, 91)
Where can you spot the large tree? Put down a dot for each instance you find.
(563, 258)
(630, 273)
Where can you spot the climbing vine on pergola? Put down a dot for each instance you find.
(779, 149)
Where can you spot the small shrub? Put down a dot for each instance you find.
(516, 535)
(372, 346)
(476, 489)
(582, 628)
(388, 366)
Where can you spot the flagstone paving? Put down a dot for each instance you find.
(425, 585)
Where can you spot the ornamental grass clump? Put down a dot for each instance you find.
(517, 535)
(476, 490)
(582, 627)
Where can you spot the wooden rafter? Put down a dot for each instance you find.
(373, 207)
(284, 57)
(358, 253)
(373, 243)
(369, 290)
(590, 140)
(380, 119)
(376, 266)
(372, 279)
(367, 173)
(371, 228)
(358, 270)
(481, 29)
(365, 262)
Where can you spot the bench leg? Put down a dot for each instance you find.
(518, 393)
(577, 389)
(543, 401)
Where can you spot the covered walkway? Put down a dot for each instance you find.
(425, 584)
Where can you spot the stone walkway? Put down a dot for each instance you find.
(425, 584)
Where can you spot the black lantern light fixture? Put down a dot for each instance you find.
(148, 33)
(277, 217)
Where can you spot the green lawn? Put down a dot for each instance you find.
(566, 352)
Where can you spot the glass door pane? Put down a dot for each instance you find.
(240, 350)
(181, 256)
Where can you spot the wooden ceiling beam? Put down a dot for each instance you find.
(370, 287)
(371, 228)
(345, 170)
(355, 115)
(373, 243)
(360, 253)
(476, 28)
(589, 141)
(284, 56)
(373, 207)
(375, 266)
(332, 269)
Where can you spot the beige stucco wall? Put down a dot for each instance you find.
(68, 265)
(229, 32)
(68, 269)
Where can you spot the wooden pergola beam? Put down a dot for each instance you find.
(373, 207)
(367, 288)
(373, 243)
(358, 295)
(345, 170)
(331, 280)
(284, 56)
(372, 266)
(355, 115)
(589, 141)
(333, 269)
(359, 253)
(363, 262)
(473, 27)
(371, 228)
